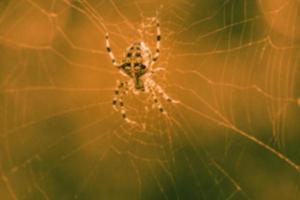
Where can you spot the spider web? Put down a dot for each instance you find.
(232, 64)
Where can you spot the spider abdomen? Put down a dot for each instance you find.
(137, 60)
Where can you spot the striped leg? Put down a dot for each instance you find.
(160, 91)
(157, 102)
(164, 94)
(116, 99)
(123, 111)
(158, 38)
(110, 53)
(121, 90)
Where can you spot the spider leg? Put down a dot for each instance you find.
(151, 86)
(157, 102)
(116, 99)
(110, 53)
(158, 38)
(161, 92)
(121, 90)
(123, 112)
(157, 69)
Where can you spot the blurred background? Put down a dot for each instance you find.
(233, 65)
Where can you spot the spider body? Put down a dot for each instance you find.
(137, 65)
(136, 62)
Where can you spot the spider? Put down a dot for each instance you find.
(137, 66)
